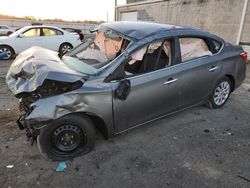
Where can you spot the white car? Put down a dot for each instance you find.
(49, 37)
(6, 30)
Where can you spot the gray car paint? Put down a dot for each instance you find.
(146, 99)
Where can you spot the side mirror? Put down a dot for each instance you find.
(123, 89)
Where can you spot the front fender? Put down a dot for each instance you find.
(51, 108)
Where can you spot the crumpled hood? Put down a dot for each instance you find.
(33, 66)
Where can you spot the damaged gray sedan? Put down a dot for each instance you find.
(131, 73)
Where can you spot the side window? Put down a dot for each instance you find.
(217, 45)
(59, 32)
(51, 32)
(154, 56)
(32, 33)
(192, 48)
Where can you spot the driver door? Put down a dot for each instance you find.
(152, 94)
(29, 38)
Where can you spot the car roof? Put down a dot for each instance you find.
(139, 30)
(38, 26)
(21, 30)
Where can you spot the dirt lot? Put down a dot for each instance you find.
(199, 147)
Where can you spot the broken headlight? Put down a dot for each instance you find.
(49, 88)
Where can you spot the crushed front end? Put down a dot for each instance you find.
(28, 101)
(34, 77)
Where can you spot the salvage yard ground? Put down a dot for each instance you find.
(198, 147)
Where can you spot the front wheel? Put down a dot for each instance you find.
(220, 93)
(9, 52)
(67, 137)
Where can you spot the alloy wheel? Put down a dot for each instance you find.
(66, 48)
(221, 93)
(7, 51)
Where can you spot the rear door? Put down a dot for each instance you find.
(200, 70)
(52, 38)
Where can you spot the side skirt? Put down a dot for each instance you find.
(160, 117)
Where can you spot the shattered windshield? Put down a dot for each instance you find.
(95, 52)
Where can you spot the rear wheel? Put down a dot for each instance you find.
(67, 137)
(9, 33)
(64, 48)
(9, 52)
(220, 93)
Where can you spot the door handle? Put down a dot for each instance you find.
(170, 80)
(213, 68)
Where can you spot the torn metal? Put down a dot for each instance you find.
(35, 65)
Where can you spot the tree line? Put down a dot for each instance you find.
(32, 18)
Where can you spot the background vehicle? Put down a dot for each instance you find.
(6, 30)
(49, 37)
(135, 73)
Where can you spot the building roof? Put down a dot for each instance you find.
(138, 30)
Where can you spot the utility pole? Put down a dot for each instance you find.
(115, 11)
(242, 22)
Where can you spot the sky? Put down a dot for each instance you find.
(71, 10)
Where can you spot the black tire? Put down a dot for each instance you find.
(10, 52)
(214, 101)
(64, 48)
(9, 33)
(55, 139)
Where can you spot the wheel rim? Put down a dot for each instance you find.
(66, 48)
(67, 138)
(7, 51)
(221, 93)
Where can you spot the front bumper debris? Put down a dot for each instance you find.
(32, 130)
(20, 123)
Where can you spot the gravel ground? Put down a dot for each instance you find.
(198, 147)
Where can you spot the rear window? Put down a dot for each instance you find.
(193, 48)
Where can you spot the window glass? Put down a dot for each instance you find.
(154, 56)
(103, 49)
(49, 32)
(97, 53)
(32, 33)
(192, 48)
(59, 32)
(217, 45)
